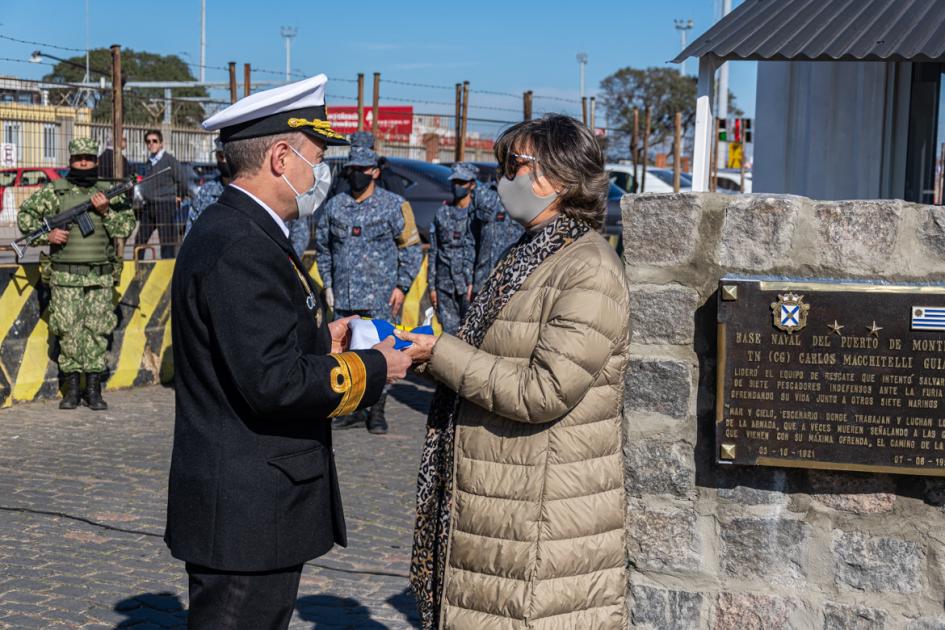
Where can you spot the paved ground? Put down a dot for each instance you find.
(82, 500)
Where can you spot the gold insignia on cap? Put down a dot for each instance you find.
(321, 126)
(350, 380)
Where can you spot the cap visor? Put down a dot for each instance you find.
(329, 140)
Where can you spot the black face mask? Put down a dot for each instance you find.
(459, 192)
(359, 181)
(82, 176)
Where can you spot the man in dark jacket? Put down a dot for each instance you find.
(253, 491)
(106, 163)
(162, 196)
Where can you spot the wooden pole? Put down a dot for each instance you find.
(118, 124)
(360, 101)
(527, 105)
(247, 79)
(462, 145)
(458, 126)
(584, 110)
(677, 152)
(593, 115)
(233, 82)
(634, 152)
(646, 146)
(376, 105)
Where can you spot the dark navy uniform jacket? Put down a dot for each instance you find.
(252, 481)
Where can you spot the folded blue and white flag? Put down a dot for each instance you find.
(367, 333)
(928, 318)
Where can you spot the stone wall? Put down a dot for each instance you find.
(756, 547)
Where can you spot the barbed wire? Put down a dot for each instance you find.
(47, 45)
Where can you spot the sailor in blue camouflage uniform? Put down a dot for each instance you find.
(368, 252)
(453, 252)
(493, 230)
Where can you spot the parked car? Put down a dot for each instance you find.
(658, 180)
(729, 180)
(30, 176)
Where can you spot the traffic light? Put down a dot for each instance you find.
(723, 134)
(747, 127)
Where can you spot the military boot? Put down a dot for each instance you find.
(93, 392)
(70, 391)
(376, 422)
(356, 419)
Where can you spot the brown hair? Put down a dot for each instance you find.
(568, 155)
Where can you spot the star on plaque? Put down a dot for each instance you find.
(836, 327)
(874, 329)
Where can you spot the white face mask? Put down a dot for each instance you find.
(520, 200)
(308, 201)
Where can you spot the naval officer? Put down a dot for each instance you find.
(260, 371)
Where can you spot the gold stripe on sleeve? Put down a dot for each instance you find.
(410, 235)
(350, 380)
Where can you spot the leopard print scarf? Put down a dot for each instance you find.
(435, 480)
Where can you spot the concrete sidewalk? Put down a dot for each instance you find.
(82, 504)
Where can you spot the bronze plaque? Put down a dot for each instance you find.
(843, 376)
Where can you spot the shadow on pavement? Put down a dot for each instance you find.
(163, 610)
(328, 611)
(414, 392)
(405, 603)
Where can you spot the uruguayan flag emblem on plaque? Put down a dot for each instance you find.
(928, 318)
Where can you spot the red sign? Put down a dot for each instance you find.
(395, 123)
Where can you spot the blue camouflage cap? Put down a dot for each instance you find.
(362, 139)
(464, 171)
(361, 156)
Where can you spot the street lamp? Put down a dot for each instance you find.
(683, 26)
(37, 57)
(288, 33)
(582, 61)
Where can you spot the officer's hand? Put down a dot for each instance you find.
(396, 301)
(59, 237)
(397, 362)
(433, 300)
(422, 348)
(340, 334)
(469, 293)
(100, 203)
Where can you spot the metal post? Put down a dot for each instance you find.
(704, 117)
(458, 125)
(646, 146)
(288, 32)
(247, 79)
(722, 158)
(203, 40)
(714, 158)
(677, 151)
(118, 129)
(233, 82)
(462, 144)
(634, 153)
(360, 101)
(376, 105)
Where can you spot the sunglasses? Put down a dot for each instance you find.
(152, 141)
(514, 161)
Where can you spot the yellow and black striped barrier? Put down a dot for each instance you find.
(140, 348)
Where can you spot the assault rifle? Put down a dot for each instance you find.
(78, 214)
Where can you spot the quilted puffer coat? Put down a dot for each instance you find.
(537, 539)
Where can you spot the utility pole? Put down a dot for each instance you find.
(527, 105)
(203, 40)
(360, 101)
(593, 121)
(582, 62)
(233, 95)
(376, 106)
(683, 26)
(117, 113)
(459, 122)
(463, 128)
(722, 158)
(247, 79)
(288, 33)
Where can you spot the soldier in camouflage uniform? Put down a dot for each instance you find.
(493, 230)
(368, 252)
(452, 252)
(82, 272)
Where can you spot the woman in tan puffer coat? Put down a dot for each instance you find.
(520, 499)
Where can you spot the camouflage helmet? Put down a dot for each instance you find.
(362, 139)
(83, 146)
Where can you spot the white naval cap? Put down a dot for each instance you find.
(298, 106)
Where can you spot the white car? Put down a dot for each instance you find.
(730, 181)
(658, 180)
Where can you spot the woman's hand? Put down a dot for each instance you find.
(422, 348)
(340, 334)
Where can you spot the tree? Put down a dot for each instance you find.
(142, 106)
(664, 90)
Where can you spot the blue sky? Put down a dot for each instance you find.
(497, 46)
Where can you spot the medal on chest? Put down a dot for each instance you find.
(310, 302)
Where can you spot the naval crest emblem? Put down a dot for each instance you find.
(790, 312)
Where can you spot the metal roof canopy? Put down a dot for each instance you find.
(826, 30)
